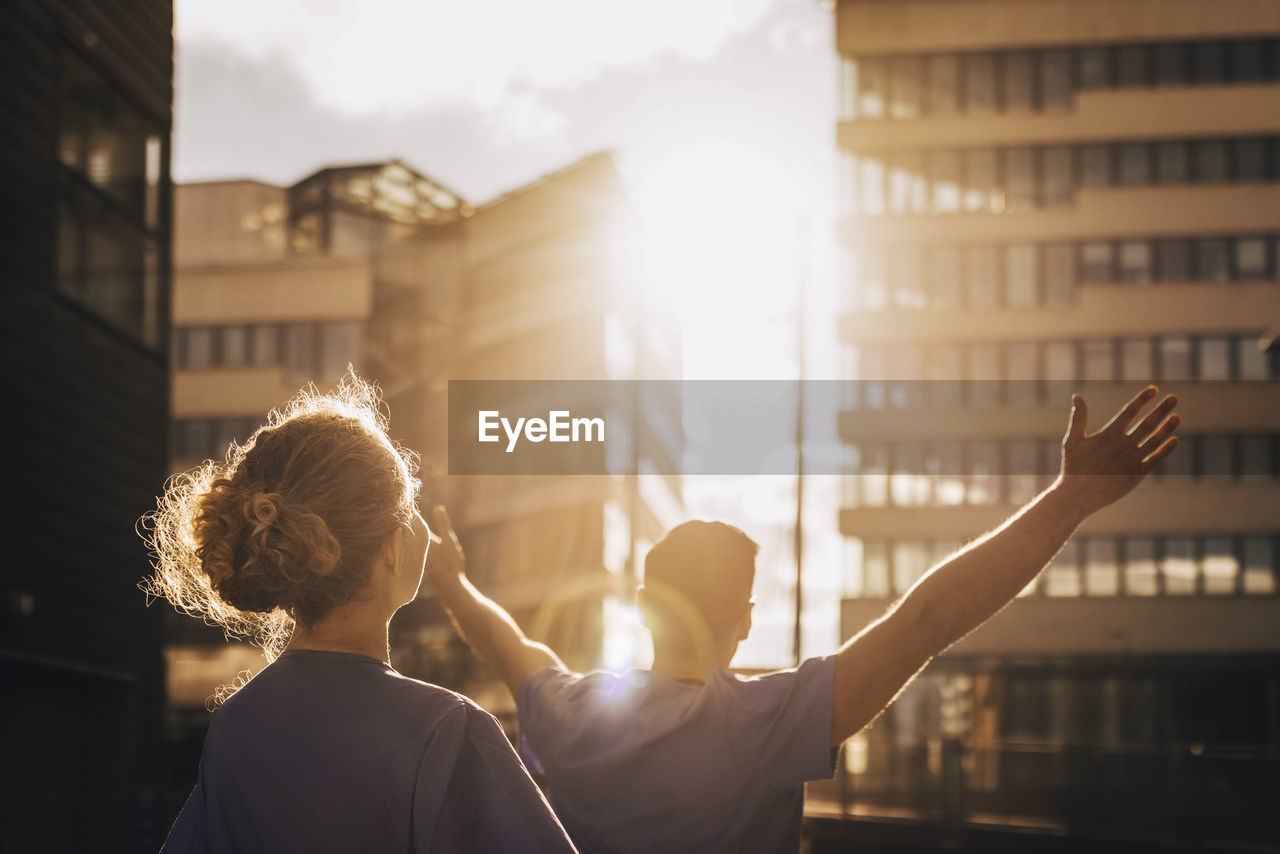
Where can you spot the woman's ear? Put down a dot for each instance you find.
(392, 549)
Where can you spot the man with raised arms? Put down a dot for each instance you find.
(686, 756)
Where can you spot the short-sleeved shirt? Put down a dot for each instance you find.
(331, 752)
(637, 762)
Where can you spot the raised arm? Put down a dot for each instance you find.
(961, 593)
(483, 624)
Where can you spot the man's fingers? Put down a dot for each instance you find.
(1161, 433)
(444, 525)
(1079, 415)
(1160, 453)
(1125, 416)
(1153, 418)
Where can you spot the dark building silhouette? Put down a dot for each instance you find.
(85, 95)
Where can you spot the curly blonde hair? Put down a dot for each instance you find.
(288, 525)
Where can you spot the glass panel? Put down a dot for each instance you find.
(1259, 566)
(944, 169)
(1140, 576)
(1095, 68)
(1062, 578)
(908, 485)
(980, 182)
(339, 346)
(266, 344)
(1246, 62)
(1173, 261)
(1136, 360)
(1095, 165)
(1055, 80)
(1251, 359)
(1019, 179)
(1255, 457)
(1059, 180)
(1251, 258)
(1131, 66)
(906, 74)
(982, 281)
(1022, 374)
(1175, 358)
(984, 375)
(235, 346)
(1172, 163)
(944, 84)
(1171, 65)
(1135, 165)
(1179, 566)
(1101, 574)
(980, 82)
(874, 473)
(910, 560)
(872, 82)
(1178, 465)
(1135, 261)
(848, 88)
(1208, 62)
(1024, 469)
(1215, 358)
(1017, 82)
(871, 186)
(1059, 274)
(908, 278)
(944, 278)
(874, 370)
(199, 350)
(875, 569)
(1211, 260)
(945, 372)
(300, 350)
(1249, 160)
(1060, 361)
(1210, 160)
(1022, 281)
(906, 370)
(908, 188)
(1215, 457)
(1099, 361)
(984, 473)
(946, 465)
(1096, 259)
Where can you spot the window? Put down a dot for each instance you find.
(1140, 575)
(848, 88)
(199, 347)
(1210, 162)
(906, 77)
(1131, 66)
(1135, 261)
(1171, 65)
(944, 169)
(944, 371)
(908, 485)
(873, 468)
(1096, 259)
(1178, 465)
(1256, 457)
(339, 344)
(1135, 165)
(1055, 80)
(1173, 261)
(908, 277)
(980, 82)
(981, 277)
(1059, 368)
(1059, 274)
(1246, 61)
(1208, 63)
(1251, 258)
(910, 561)
(266, 344)
(1101, 572)
(1220, 566)
(984, 375)
(1058, 176)
(875, 569)
(1095, 68)
(908, 188)
(1095, 166)
(1021, 373)
(1249, 160)
(1175, 358)
(873, 81)
(980, 181)
(1215, 457)
(984, 473)
(1259, 566)
(1178, 567)
(873, 282)
(1172, 163)
(946, 466)
(1211, 260)
(1016, 80)
(235, 346)
(1136, 361)
(944, 278)
(906, 369)
(1098, 361)
(1024, 471)
(300, 346)
(1215, 358)
(873, 370)
(1062, 578)
(1022, 280)
(944, 84)
(871, 185)
(1251, 359)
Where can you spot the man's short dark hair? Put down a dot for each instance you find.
(711, 564)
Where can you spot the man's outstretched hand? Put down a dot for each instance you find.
(446, 560)
(1103, 467)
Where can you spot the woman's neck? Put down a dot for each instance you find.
(353, 627)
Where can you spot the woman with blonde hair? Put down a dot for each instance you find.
(307, 540)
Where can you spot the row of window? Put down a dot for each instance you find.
(1092, 566)
(208, 438)
(907, 87)
(945, 376)
(940, 474)
(1024, 275)
(1019, 178)
(316, 351)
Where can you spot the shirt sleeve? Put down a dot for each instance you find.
(781, 722)
(537, 706)
(473, 795)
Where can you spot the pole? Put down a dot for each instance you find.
(802, 274)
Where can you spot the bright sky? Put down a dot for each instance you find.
(721, 114)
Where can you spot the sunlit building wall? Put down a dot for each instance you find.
(1042, 197)
(84, 166)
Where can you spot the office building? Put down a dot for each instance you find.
(1041, 197)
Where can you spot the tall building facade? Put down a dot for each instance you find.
(1041, 197)
(85, 101)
